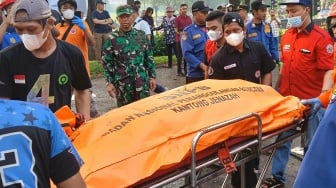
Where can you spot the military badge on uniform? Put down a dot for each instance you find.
(333, 96)
(12, 40)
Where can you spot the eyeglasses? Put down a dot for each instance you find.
(170, 12)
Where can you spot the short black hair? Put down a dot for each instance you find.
(183, 5)
(215, 15)
(135, 9)
(136, 2)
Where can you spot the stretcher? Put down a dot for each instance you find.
(162, 138)
(192, 169)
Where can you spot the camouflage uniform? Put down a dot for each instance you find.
(128, 65)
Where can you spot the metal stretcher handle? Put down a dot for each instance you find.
(204, 131)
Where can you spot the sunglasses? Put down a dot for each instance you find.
(170, 12)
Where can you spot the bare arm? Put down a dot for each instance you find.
(267, 79)
(74, 181)
(148, 37)
(82, 101)
(176, 30)
(328, 80)
(103, 22)
(88, 35)
(3, 27)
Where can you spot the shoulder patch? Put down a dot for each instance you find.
(330, 48)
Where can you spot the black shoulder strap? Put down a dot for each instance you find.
(137, 22)
(67, 31)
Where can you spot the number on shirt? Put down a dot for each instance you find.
(16, 161)
(42, 83)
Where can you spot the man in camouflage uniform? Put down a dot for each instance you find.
(128, 61)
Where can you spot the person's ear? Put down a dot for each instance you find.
(50, 23)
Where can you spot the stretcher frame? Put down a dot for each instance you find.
(192, 174)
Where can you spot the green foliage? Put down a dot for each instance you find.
(96, 69)
(160, 45)
(162, 60)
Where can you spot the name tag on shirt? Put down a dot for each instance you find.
(230, 66)
(196, 36)
(304, 51)
(252, 35)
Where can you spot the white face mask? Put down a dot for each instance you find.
(68, 14)
(235, 38)
(214, 35)
(33, 42)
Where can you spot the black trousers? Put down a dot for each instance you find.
(179, 55)
(170, 48)
(250, 175)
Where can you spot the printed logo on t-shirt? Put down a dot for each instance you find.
(257, 74)
(73, 31)
(63, 79)
(20, 79)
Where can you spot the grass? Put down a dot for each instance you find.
(97, 69)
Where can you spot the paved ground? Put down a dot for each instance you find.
(167, 77)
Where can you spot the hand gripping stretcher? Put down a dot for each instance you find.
(181, 133)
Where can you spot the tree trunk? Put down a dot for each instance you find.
(91, 7)
(130, 2)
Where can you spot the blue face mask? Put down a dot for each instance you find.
(295, 22)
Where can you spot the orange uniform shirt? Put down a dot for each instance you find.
(76, 37)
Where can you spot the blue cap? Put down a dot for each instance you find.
(307, 3)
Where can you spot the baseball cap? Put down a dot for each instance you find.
(307, 3)
(5, 3)
(242, 7)
(233, 17)
(36, 10)
(124, 9)
(200, 6)
(258, 4)
(100, 2)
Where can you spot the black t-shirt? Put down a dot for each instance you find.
(251, 64)
(101, 28)
(47, 81)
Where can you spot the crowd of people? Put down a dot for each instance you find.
(44, 59)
